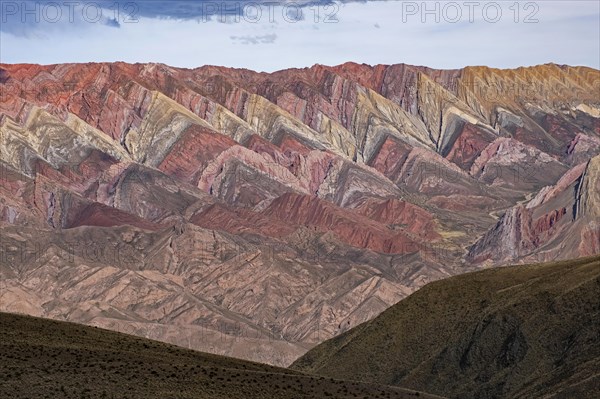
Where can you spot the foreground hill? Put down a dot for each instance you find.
(42, 358)
(515, 332)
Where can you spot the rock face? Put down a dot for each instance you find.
(265, 213)
(560, 221)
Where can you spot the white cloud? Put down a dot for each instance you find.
(566, 32)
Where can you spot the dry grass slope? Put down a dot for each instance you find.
(515, 332)
(40, 358)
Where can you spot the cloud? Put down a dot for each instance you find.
(264, 39)
(113, 22)
(223, 9)
(40, 18)
(566, 33)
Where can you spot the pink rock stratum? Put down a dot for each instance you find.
(256, 215)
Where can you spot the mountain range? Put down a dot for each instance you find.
(256, 215)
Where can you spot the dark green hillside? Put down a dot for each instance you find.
(41, 358)
(516, 332)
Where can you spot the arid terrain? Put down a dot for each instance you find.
(255, 215)
(526, 331)
(41, 358)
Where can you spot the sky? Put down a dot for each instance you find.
(267, 35)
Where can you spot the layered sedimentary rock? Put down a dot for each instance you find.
(255, 215)
(560, 221)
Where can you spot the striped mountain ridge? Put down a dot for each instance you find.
(267, 212)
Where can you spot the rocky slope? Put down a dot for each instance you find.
(524, 331)
(255, 215)
(560, 221)
(45, 358)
